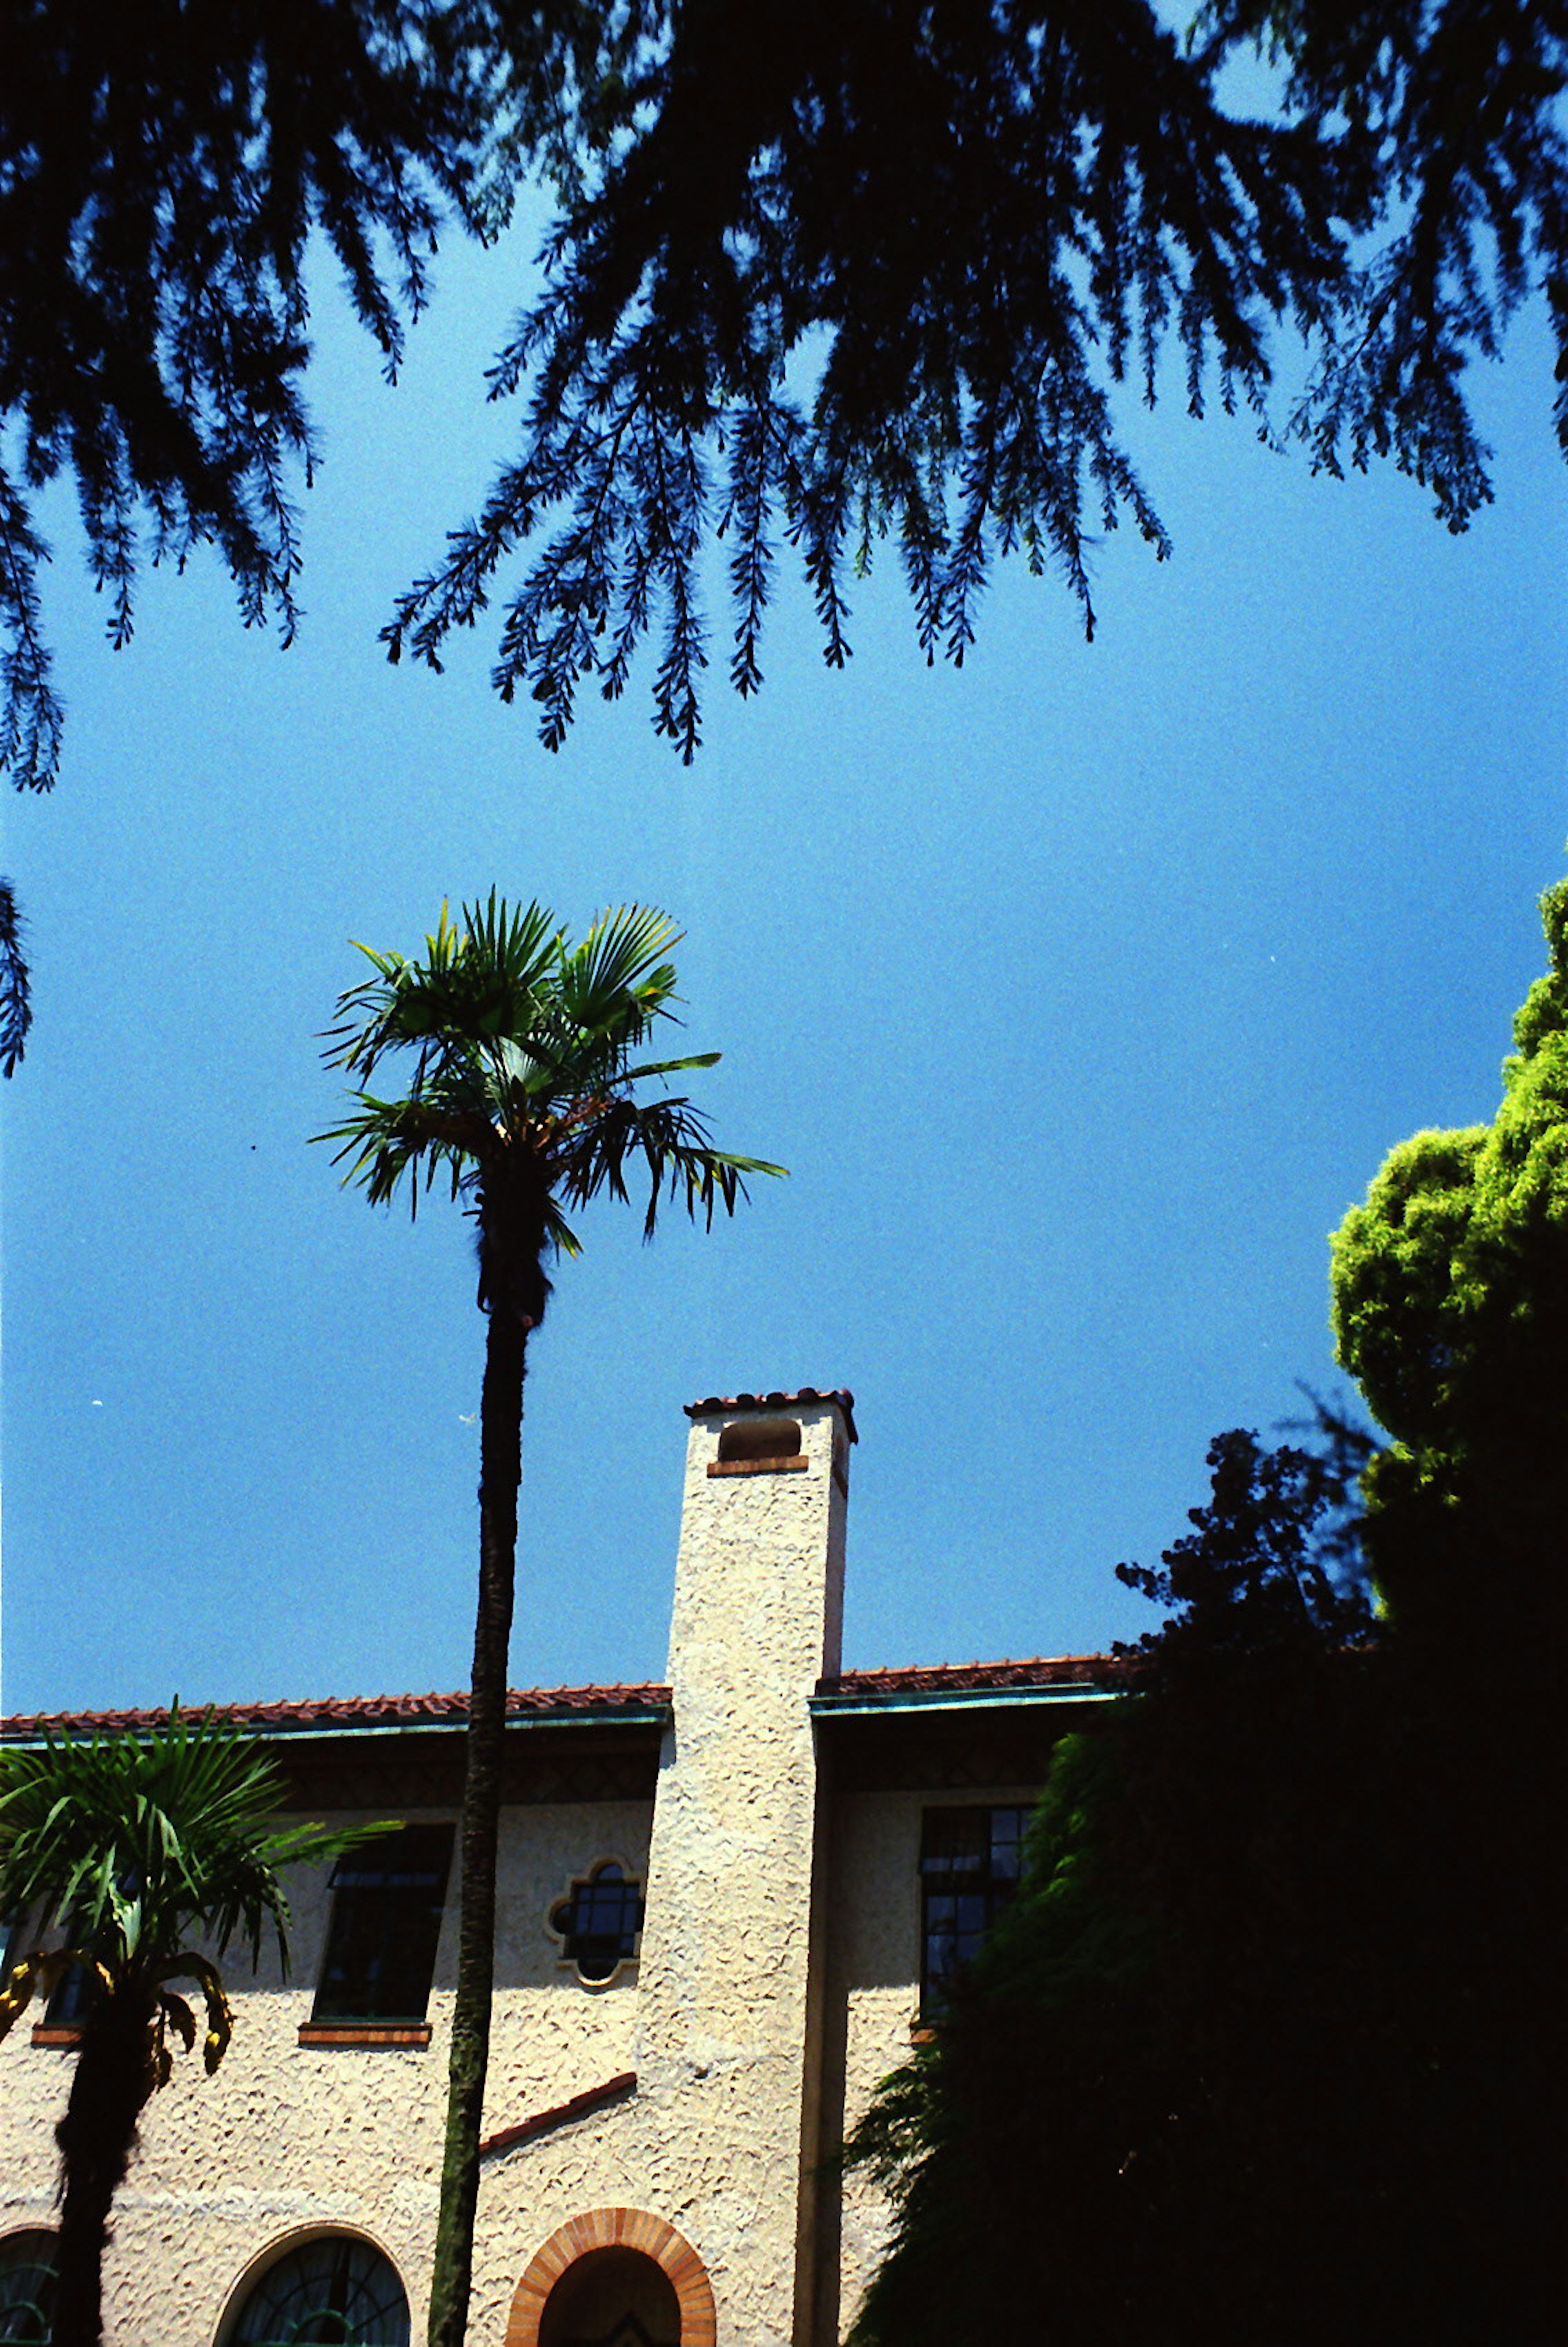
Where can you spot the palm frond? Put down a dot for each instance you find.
(617, 980)
(143, 1842)
(476, 980)
(671, 1138)
(422, 1138)
(671, 1067)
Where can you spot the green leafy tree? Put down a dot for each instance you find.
(1271, 2046)
(1451, 1309)
(528, 1052)
(136, 1847)
(1153, 2094)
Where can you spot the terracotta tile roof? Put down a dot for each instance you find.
(606, 1703)
(841, 1394)
(961, 1678)
(590, 1703)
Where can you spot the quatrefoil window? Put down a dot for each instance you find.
(598, 1920)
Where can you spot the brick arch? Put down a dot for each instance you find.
(615, 2229)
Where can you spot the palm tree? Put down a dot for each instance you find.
(136, 1846)
(527, 1059)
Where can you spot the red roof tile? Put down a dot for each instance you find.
(841, 1394)
(608, 1703)
(602, 1703)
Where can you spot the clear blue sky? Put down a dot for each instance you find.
(1082, 992)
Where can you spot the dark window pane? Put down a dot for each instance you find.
(27, 2289)
(387, 1901)
(67, 2008)
(1007, 1831)
(335, 2291)
(956, 1841)
(600, 1921)
(75, 1991)
(971, 1860)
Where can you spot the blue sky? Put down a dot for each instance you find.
(1082, 990)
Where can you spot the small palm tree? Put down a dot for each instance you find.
(136, 1846)
(527, 1059)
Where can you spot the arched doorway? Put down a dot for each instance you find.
(614, 2278)
(612, 2298)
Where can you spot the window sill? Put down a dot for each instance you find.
(65, 2040)
(364, 2032)
(794, 1466)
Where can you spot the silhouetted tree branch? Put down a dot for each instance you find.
(879, 271)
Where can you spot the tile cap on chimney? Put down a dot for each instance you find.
(714, 1402)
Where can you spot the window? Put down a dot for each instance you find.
(598, 1920)
(387, 1900)
(333, 2288)
(27, 2289)
(74, 1994)
(969, 1863)
(12, 1942)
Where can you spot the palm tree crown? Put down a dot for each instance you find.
(524, 1092)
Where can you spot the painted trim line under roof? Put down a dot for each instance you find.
(866, 1701)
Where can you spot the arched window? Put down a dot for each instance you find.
(331, 2290)
(612, 2298)
(27, 2289)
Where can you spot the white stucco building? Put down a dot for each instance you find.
(722, 1901)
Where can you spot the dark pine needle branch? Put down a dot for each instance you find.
(880, 270)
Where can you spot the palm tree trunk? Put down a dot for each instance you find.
(500, 1473)
(97, 2138)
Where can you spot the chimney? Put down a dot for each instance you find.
(728, 2006)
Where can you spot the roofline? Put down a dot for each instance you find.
(35, 1733)
(643, 1716)
(1062, 1679)
(867, 1701)
(726, 1405)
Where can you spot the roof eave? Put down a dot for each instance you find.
(31, 1737)
(864, 1701)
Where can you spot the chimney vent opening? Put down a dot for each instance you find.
(759, 1438)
